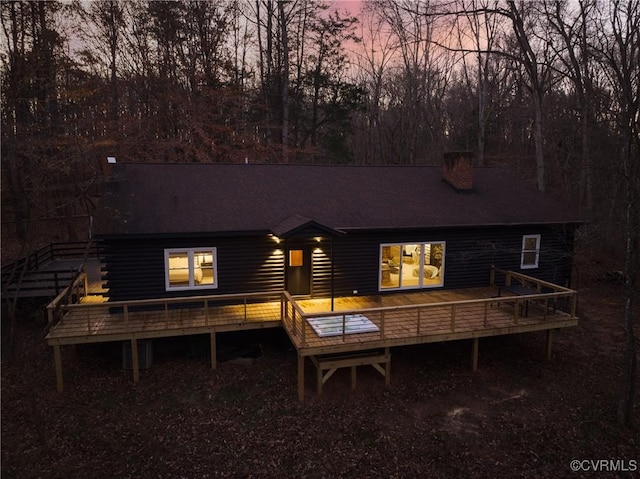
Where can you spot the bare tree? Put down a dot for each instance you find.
(417, 93)
(538, 67)
(285, 80)
(374, 60)
(478, 35)
(572, 49)
(618, 45)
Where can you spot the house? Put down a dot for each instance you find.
(349, 260)
(320, 231)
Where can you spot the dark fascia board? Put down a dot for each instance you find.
(575, 224)
(303, 227)
(199, 234)
(321, 229)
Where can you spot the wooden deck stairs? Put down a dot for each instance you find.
(48, 271)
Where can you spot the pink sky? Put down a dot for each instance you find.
(353, 6)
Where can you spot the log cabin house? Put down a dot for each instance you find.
(350, 260)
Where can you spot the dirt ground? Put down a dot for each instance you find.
(517, 416)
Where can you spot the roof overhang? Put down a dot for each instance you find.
(300, 226)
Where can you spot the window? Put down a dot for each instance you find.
(530, 251)
(295, 257)
(190, 268)
(412, 265)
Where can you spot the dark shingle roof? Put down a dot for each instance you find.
(207, 198)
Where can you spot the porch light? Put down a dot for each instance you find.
(275, 238)
(318, 239)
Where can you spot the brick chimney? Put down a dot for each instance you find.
(458, 170)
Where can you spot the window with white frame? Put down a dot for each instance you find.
(530, 251)
(411, 265)
(190, 268)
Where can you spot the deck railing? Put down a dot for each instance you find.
(26, 275)
(53, 251)
(432, 316)
(161, 311)
(76, 290)
(422, 319)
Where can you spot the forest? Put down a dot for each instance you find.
(550, 88)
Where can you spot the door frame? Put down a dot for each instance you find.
(304, 271)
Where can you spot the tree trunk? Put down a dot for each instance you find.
(630, 364)
(539, 141)
(285, 83)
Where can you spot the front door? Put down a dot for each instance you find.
(299, 270)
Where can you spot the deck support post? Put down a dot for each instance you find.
(474, 354)
(353, 377)
(134, 360)
(548, 344)
(214, 351)
(58, 361)
(300, 378)
(387, 370)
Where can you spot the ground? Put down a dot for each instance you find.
(517, 416)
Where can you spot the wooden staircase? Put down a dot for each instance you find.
(48, 271)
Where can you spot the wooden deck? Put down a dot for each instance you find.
(89, 322)
(428, 317)
(401, 319)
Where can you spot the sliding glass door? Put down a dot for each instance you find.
(411, 265)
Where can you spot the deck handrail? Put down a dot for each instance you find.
(287, 299)
(294, 318)
(523, 277)
(176, 300)
(558, 292)
(455, 306)
(433, 305)
(27, 268)
(63, 299)
(67, 249)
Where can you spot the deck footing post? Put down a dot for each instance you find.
(548, 345)
(58, 361)
(353, 378)
(301, 379)
(474, 354)
(135, 365)
(387, 369)
(214, 351)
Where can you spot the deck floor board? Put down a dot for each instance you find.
(398, 325)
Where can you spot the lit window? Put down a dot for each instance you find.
(530, 251)
(412, 265)
(295, 257)
(190, 268)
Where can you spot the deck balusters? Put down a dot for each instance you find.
(484, 322)
(453, 317)
(546, 307)
(166, 315)
(304, 334)
(245, 309)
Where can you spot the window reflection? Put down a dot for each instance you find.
(411, 265)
